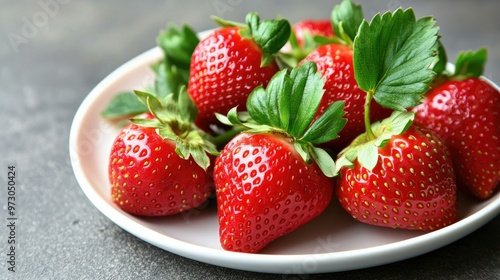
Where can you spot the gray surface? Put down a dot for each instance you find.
(44, 78)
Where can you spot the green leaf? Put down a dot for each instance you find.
(365, 149)
(182, 148)
(257, 105)
(166, 132)
(123, 105)
(270, 35)
(168, 80)
(143, 96)
(277, 88)
(224, 119)
(165, 111)
(392, 58)
(172, 72)
(324, 161)
(346, 19)
(441, 59)
(290, 102)
(200, 157)
(303, 150)
(343, 161)
(156, 108)
(288, 105)
(267, 59)
(178, 44)
(233, 116)
(195, 145)
(322, 40)
(368, 156)
(292, 40)
(187, 107)
(147, 122)
(327, 126)
(397, 123)
(263, 104)
(228, 23)
(471, 63)
(307, 91)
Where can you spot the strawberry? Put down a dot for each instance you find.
(148, 178)
(335, 62)
(272, 179)
(397, 174)
(230, 62)
(463, 109)
(334, 59)
(265, 190)
(412, 185)
(158, 164)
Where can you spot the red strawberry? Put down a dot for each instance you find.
(465, 114)
(159, 164)
(335, 59)
(335, 62)
(148, 178)
(228, 64)
(265, 190)
(395, 174)
(272, 179)
(412, 185)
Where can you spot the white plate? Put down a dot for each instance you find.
(331, 242)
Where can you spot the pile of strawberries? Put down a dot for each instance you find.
(279, 120)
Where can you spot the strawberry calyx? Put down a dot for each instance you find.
(364, 148)
(270, 35)
(172, 73)
(393, 59)
(345, 19)
(288, 106)
(468, 64)
(174, 120)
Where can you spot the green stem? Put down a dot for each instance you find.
(368, 124)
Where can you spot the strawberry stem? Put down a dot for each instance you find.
(368, 125)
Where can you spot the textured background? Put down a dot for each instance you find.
(52, 53)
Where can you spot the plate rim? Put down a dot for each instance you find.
(289, 263)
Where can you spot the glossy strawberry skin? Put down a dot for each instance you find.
(225, 68)
(411, 187)
(265, 190)
(149, 179)
(335, 62)
(466, 115)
